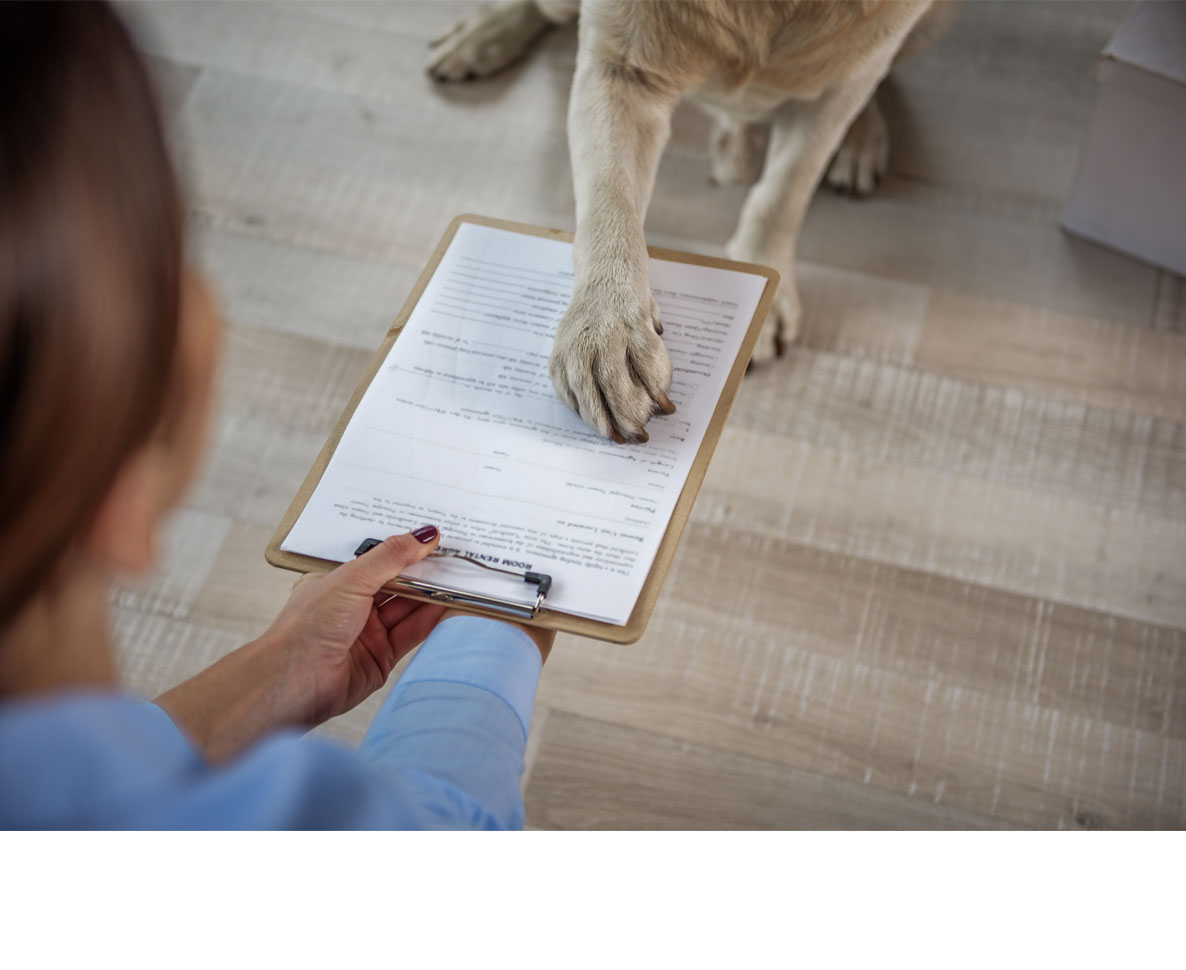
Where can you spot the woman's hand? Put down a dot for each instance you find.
(340, 643)
(331, 647)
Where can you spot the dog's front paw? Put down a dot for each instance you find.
(489, 39)
(861, 162)
(781, 326)
(609, 365)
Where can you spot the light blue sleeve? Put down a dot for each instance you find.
(444, 752)
(454, 728)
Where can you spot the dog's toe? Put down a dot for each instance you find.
(780, 330)
(768, 346)
(736, 152)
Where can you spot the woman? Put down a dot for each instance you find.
(107, 352)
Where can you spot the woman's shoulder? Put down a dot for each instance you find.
(115, 761)
(107, 760)
(65, 756)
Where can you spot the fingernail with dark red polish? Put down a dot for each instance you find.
(425, 534)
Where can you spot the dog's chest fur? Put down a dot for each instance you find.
(745, 58)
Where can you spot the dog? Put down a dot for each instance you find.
(790, 86)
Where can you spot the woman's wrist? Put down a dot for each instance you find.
(236, 701)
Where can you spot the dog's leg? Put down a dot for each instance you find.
(803, 137)
(608, 362)
(494, 36)
(860, 164)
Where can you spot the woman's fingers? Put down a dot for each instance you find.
(397, 614)
(414, 627)
(393, 611)
(382, 563)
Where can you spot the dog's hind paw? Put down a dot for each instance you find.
(736, 152)
(489, 39)
(863, 157)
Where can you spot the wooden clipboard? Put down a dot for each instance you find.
(551, 619)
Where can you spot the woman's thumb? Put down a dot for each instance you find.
(381, 563)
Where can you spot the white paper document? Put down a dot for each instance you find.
(461, 429)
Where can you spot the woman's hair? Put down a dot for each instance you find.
(90, 278)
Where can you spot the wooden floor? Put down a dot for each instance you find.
(937, 573)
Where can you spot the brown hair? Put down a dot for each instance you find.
(90, 277)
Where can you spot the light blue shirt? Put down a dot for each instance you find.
(445, 751)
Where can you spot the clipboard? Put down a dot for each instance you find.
(539, 615)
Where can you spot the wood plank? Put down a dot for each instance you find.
(982, 431)
(535, 738)
(316, 209)
(156, 652)
(1019, 157)
(223, 601)
(988, 701)
(189, 543)
(857, 314)
(254, 468)
(1058, 548)
(293, 382)
(909, 233)
(422, 19)
(1170, 312)
(274, 285)
(594, 775)
(1084, 359)
(357, 134)
(386, 218)
(312, 48)
(956, 634)
(1023, 55)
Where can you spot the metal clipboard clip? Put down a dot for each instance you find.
(451, 594)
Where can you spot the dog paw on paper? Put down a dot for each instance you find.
(609, 364)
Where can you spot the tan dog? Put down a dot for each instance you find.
(784, 77)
